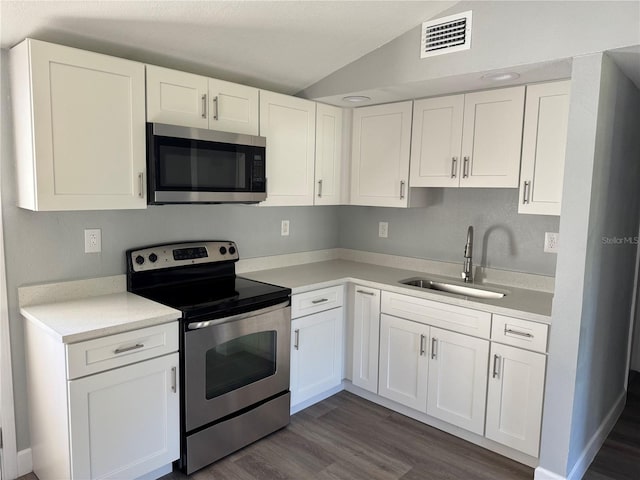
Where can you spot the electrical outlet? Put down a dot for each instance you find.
(92, 240)
(284, 228)
(383, 229)
(551, 242)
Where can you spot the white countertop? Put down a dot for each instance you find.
(522, 303)
(74, 321)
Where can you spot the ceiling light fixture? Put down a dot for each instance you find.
(501, 76)
(356, 98)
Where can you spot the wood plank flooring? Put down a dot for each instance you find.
(348, 438)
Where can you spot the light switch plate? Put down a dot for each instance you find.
(383, 229)
(92, 240)
(551, 240)
(284, 228)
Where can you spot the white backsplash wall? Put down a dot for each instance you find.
(502, 238)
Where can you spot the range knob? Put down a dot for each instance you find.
(153, 258)
(139, 259)
(232, 250)
(222, 250)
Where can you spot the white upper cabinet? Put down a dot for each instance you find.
(436, 141)
(543, 148)
(80, 129)
(492, 138)
(289, 124)
(470, 140)
(180, 98)
(328, 155)
(380, 156)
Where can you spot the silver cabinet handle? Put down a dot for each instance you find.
(215, 109)
(173, 379)
(204, 106)
(454, 163)
(496, 366)
(296, 342)
(365, 293)
(141, 185)
(434, 346)
(128, 349)
(319, 188)
(465, 168)
(422, 347)
(320, 300)
(401, 188)
(516, 332)
(525, 193)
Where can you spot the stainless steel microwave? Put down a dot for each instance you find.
(193, 165)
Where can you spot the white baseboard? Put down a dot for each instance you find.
(598, 438)
(542, 474)
(25, 462)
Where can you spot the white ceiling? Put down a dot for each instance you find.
(283, 46)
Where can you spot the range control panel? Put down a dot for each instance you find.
(180, 254)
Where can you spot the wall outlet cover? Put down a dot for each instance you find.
(383, 229)
(551, 241)
(284, 228)
(92, 240)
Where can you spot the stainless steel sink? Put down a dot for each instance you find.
(466, 290)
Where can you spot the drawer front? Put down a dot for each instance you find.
(520, 333)
(449, 317)
(100, 354)
(316, 301)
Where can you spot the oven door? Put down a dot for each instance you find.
(235, 364)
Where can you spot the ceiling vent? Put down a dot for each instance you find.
(446, 35)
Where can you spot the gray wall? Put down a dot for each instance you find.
(594, 279)
(504, 34)
(502, 238)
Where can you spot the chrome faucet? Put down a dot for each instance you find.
(467, 272)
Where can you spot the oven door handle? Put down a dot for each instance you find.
(233, 318)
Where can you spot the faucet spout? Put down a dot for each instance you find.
(467, 272)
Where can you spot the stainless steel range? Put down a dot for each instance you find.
(234, 348)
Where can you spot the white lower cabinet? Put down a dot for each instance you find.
(124, 423)
(515, 396)
(366, 337)
(316, 354)
(403, 361)
(457, 386)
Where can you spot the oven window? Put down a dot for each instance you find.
(240, 362)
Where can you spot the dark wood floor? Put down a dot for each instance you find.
(348, 438)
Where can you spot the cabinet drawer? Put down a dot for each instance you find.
(520, 333)
(449, 317)
(92, 356)
(316, 301)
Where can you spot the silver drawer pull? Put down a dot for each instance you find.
(215, 110)
(422, 347)
(401, 189)
(128, 349)
(365, 293)
(321, 300)
(525, 194)
(296, 342)
(496, 366)
(465, 168)
(515, 332)
(174, 375)
(319, 188)
(434, 346)
(141, 185)
(204, 106)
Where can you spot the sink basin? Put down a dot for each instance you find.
(466, 290)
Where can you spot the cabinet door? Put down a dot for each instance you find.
(380, 155)
(328, 155)
(233, 107)
(366, 338)
(436, 141)
(543, 148)
(125, 423)
(176, 98)
(492, 137)
(316, 354)
(514, 400)
(289, 124)
(88, 130)
(403, 362)
(458, 379)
